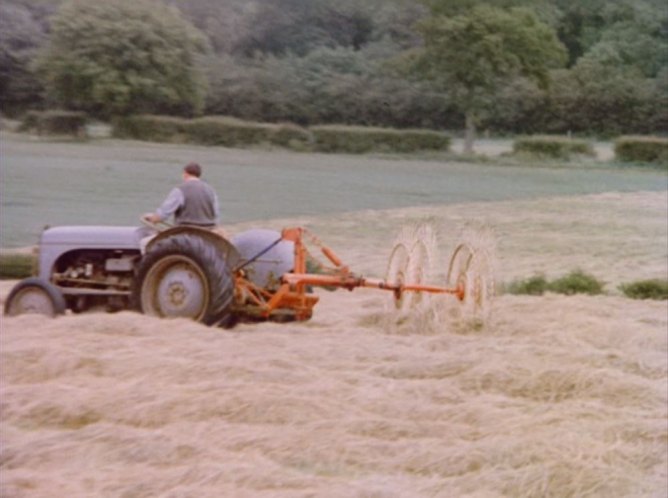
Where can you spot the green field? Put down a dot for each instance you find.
(111, 182)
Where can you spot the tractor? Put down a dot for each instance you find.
(256, 275)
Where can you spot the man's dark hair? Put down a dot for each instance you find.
(193, 169)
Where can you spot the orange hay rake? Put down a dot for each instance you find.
(293, 297)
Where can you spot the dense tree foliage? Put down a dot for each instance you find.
(335, 61)
(582, 25)
(21, 34)
(474, 53)
(123, 56)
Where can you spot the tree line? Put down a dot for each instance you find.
(508, 66)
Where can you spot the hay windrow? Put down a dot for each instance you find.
(562, 396)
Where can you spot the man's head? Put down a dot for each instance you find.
(192, 170)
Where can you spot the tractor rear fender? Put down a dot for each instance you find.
(224, 246)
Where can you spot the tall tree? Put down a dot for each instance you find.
(20, 37)
(472, 54)
(123, 56)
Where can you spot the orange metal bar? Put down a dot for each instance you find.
(430, 288)
(248, 290)
(295, 235)
(350, 281)
(276, 299)
(332, 256)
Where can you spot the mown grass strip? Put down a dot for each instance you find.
(16, 266)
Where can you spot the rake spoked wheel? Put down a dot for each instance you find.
(409, 265)
(471, 272)
(397, 273)
(418, 270)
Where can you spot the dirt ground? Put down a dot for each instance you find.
(556, 396)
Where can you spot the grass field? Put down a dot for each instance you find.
(111, 182)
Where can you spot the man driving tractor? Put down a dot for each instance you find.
(194, 202)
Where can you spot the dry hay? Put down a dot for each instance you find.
(572, 403)
(557, 396)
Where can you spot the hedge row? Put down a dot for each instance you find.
(213, 130)
(151, 128)
(15, 265)
(232, 132)
(55, 122)
(642, 149)
(358, 139)
(553, 146)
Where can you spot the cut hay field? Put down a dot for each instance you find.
(563, 396)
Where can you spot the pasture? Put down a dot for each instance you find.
(112, 182)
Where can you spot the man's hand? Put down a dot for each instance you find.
(151, 217)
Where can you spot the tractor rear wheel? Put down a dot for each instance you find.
(185, 276)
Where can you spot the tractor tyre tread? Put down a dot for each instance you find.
(211, 262)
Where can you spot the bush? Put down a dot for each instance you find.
(55, 123)
(228, 132)
(354, 139)
(642, 149)
(150, 128)
(646, 289)
(553, 146)
(533, 286)
(30, 121)
(291, 136)
(16, 266)
(576, 282)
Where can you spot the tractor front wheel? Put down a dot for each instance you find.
(34, 295)
(185, 276)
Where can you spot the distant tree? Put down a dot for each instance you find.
(20, 37)
(329, 85)
(582, 25)
(280, 27)
(456, 7)
(473, 54)
(629, 44)
(227, 23)
(395, 21)
(593, 98)
(122, 56)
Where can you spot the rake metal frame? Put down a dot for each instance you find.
(293, 298)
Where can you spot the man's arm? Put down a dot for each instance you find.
(173, 202)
